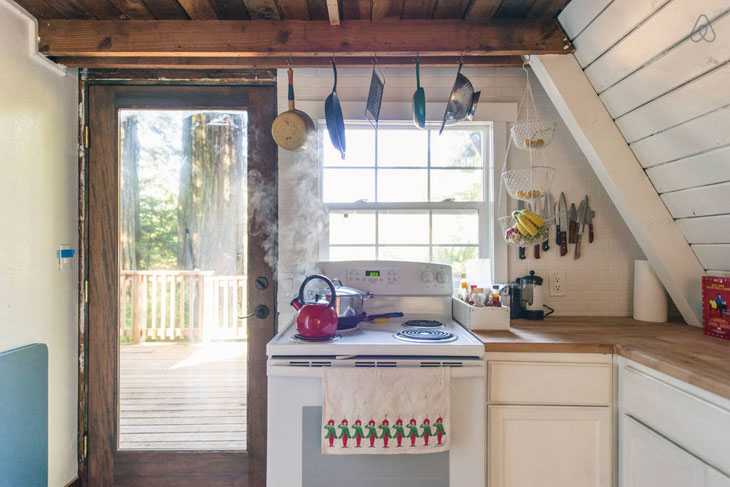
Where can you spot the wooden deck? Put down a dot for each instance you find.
(183, 396)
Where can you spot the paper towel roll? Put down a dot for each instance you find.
(650, 298)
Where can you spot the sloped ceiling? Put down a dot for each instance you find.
(662, 70)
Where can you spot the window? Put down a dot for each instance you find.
(406, 194)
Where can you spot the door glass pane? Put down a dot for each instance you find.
(182, 348)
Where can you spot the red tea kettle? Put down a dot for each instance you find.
(316, 320)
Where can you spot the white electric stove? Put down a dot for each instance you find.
(426, 336)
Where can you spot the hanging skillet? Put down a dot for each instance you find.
(293, 129)
(333, 115)
(462, 103)
(419, 101)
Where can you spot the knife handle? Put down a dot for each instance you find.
(546, 245)
(590, 233)
(571, 231)
(522, 253)
(563, 244)
(577, 246)
(537, 251)
(557, 234)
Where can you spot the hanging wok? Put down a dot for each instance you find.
(333, 115)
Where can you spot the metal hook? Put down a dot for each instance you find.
(290, 62)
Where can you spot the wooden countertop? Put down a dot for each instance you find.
(678, 350)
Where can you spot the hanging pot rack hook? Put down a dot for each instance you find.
(525, 62)
(290, 62)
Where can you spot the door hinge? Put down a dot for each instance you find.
(86, 291)
(86, 137)
(86, 440)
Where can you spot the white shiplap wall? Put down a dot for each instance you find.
(669, 94)
(600, 283)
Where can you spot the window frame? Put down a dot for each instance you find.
(482, 207)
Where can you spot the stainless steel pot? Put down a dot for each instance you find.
(348, 305)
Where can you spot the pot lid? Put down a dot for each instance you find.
(345, 291)
(531, 279)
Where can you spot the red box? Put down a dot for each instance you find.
(715, 302)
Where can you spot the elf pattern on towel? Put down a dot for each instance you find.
(387, 432)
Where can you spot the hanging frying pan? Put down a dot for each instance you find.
(333, 115)
(419, 101)
(293, 129)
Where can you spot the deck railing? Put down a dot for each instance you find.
(181, 306)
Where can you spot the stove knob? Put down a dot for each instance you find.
(441, 277)
(427, 276)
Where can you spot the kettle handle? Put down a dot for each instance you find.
(333, 292)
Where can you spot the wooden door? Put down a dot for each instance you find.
(567, 446)
(182, 242)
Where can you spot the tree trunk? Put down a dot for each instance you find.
(211, 199)
(129, 231)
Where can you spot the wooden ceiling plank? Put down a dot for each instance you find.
(199, 9)
(333, 11)
(318, 10)
(274, 63)
(483, 10)
(418, 9)
(513, 9)
(387, 9)
(294, 9)
(167, 9)
(357, 9)
(102, 9)
(40, 9)
(546, 9)
(134, 9)
(262, 9)
(72, 9)
(451, 9)
(231, 9)
(300, 38)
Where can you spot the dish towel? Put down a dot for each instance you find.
(385, 410)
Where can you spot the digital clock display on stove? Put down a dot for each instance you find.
(372, 273)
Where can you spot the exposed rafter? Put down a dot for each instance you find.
(333, 9)
(357, 38)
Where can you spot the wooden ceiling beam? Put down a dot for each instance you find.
(333, 9)
(66, 38)
(199, 9)
(275, 63)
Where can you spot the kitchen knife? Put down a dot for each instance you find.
(562, 225)
(589, 220)
(521, 251)
(573, 219)
(549, 216)
(584, 209)
(540, 210)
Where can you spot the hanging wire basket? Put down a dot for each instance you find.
(533, 134)
(514, 236)
(528, 183)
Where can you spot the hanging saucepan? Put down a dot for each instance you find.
(462, 103)
(419, 101)
(333, 115)
(293, 129)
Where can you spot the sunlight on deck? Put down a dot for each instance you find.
(183, 396)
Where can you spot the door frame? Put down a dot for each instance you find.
(95, 277)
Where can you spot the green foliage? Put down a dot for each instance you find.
(157, 245)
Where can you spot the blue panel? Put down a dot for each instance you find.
(24, 417)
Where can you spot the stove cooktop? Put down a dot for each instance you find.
(393, 338)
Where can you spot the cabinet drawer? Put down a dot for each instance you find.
(577, 384)
(694, 423)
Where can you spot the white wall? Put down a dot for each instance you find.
(38, 201)
(600, 283)
(667, 90)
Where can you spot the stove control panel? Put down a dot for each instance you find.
(393, 277)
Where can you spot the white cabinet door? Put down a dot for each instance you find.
(561, 446)
(648, 460)
(714, 478)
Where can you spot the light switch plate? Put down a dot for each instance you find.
(557, 284)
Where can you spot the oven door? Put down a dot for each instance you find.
(294, 456)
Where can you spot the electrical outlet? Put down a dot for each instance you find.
(557, 284)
